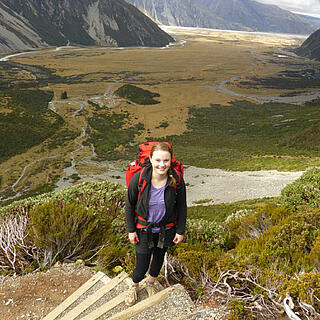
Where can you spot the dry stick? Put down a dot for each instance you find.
(230, 274)
(223, 288)
(309, 309)
(13, 232)
(288, 306)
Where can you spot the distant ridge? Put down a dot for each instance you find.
(28, 24)
(311, 47)
(244, 15)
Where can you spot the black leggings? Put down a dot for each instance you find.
(143, 262)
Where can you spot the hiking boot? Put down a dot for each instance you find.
(131, 297)
(151, 288)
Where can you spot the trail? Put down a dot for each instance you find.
(23, 173)
(71, 170)
(298, 99)
(111, 172)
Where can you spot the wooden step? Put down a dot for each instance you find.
(143, 305)
(91, 299)
(101, 298)
(99, 276)
(170, 303)
(109, 305)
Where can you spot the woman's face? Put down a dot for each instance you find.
(161, 161)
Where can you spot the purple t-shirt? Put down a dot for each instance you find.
(157, 207)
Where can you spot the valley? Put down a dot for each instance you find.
(228, 100)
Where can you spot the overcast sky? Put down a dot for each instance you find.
(311, 7)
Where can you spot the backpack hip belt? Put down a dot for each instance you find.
(144, 224)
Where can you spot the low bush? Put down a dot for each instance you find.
(209, 233)
(90, 194)
(137, 95)
(266, 252)
(303, 193)
(111, 255)
(75, 222)
(248, 223)
(65, 231)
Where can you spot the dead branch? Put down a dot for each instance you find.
(309, 309)
(288, 307)
(16, 249)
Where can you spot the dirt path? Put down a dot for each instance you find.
(297, 99)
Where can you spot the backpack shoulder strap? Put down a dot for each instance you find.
(141, 186)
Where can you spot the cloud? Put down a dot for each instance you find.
(305, 6)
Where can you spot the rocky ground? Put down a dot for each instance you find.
(34, 295)
(213, 186)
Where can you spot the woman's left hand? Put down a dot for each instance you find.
(178, 238)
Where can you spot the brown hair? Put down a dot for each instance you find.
(165, 147)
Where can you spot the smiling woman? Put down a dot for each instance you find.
(155, 216)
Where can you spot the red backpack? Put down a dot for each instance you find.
(144, 161)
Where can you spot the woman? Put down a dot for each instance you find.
(156, 218)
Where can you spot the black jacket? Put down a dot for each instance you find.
(175, 201)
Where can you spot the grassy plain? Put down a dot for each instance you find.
(187, 77)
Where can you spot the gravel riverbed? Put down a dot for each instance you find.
(220, 186)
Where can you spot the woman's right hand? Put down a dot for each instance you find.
(133, 237)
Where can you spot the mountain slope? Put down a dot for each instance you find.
(85, 22)
(311, 47)
(16, 31)
(247, 15)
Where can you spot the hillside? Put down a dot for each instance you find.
(228, 250)
(246, 15)
(311, 47)
(33, 24)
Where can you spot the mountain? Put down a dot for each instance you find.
(246, 15)
(36, 23)
(313, 20)
(310, 48)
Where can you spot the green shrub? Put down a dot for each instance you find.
(246, 223)
(305, 287)
(76, 221)
(105, 195)
(111, 255)
(208, 233)
(303, 193)
(314, 256)
(197, 260)
(137, 95)
(284, 246)
(66, 231)
(238, 311)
